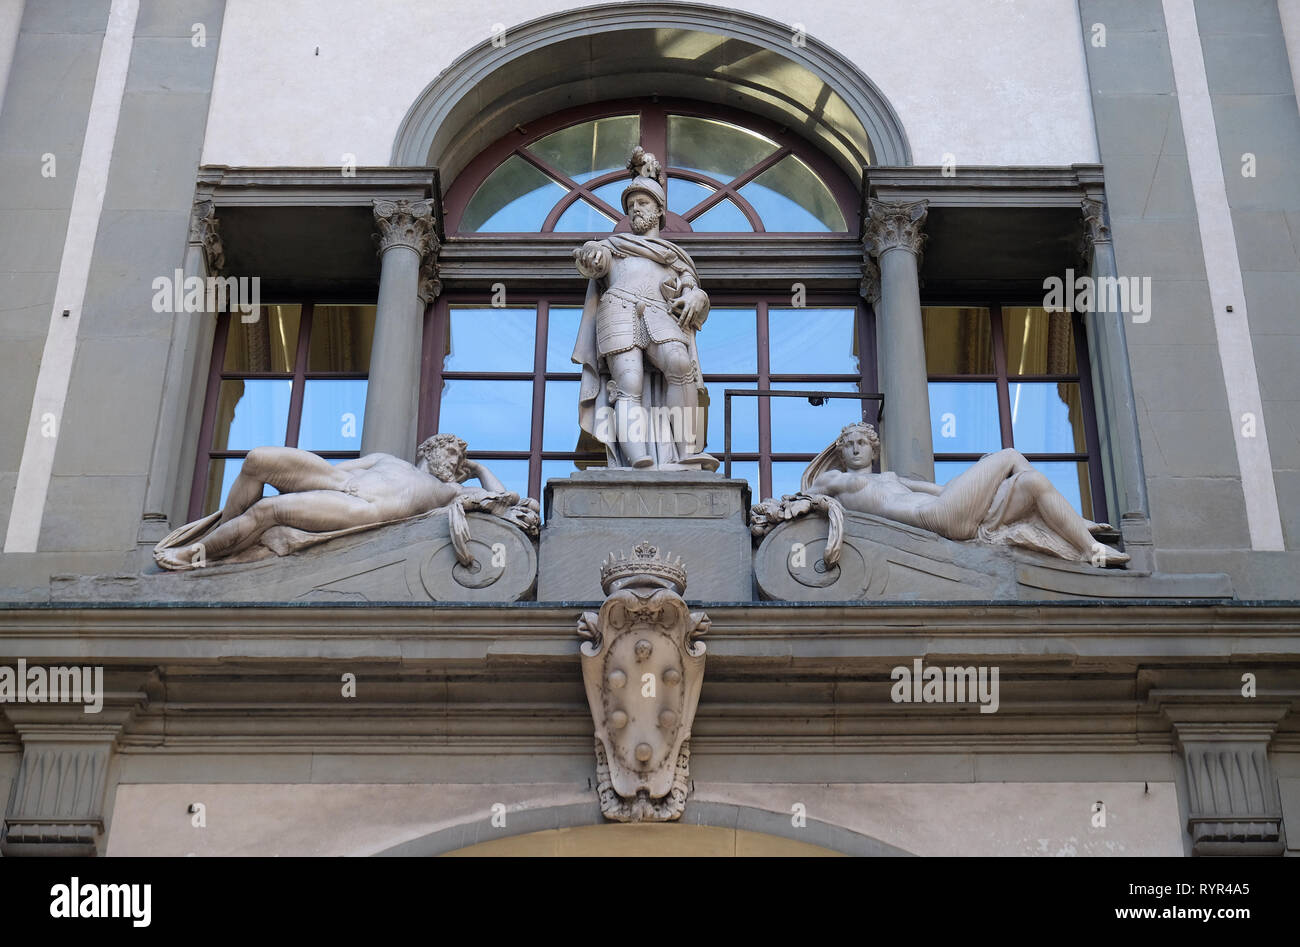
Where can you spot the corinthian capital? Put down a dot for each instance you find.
(405, 224)
(205, 233)
(1095, 228)
(895, 224)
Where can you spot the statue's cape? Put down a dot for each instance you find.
(593, 396)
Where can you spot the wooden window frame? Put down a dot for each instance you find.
(433, 375)
(654, 138)
(1082, 376)
(298, 379)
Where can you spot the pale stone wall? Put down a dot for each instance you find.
(999, 83)
(962, 819)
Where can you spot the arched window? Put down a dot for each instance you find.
(727, 173)
(498, 368)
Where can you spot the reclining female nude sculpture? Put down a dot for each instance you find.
(319, 501)
(1001, 500)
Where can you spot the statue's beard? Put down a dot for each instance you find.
(445, 469)
(642, 222)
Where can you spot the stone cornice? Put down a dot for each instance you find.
(314, 187)
(823, 261)
(894, 225)
(1119, 634)
(986, 186)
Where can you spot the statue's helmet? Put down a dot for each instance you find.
(647, 178)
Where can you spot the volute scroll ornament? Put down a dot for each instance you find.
(643, 666)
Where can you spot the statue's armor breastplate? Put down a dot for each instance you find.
(632, 312)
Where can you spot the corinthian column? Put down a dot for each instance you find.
(408, 247)
(894, 237)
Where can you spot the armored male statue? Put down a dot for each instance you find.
(642, 392)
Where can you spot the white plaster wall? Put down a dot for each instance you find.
(990, 81)
(966, 819)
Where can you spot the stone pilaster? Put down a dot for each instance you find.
(408, 280)
(893, 235)
(1116, 402)
(63, 793)
(1233, 802)
(184, 388)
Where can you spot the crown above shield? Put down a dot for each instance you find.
(644, 567)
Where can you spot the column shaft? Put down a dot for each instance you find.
(392, 395)
(893, 235)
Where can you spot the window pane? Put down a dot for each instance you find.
(722, 217)
(728, 343)
(1071, 478)
(1047, 418)
(963, 417)
(251, 413)
(743, 470)
(1038, 342)
(561, 335)
(515, 198)
(482, 339)
(556, 470)
(790, 196)
(683, 194)
(786, 475)
(812, 341)
(799, 427)
(340, 338)
(945, 470)
(582, 217)
(268, 345)
(958, 341)
(488, 415)
(222, 472)
(512, 473)
(592, 148)
(560, 429)
(744, 418)
(712, 147)
(333, 411)
(612, 193)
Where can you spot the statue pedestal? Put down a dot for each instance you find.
(696, 515)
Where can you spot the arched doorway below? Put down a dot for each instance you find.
(645, 840)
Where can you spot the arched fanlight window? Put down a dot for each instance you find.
(726, 174)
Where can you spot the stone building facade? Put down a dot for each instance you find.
(877, 198)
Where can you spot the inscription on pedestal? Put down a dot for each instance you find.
(592, 512)
(696, 504)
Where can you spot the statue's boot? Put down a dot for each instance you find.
(632, 423)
